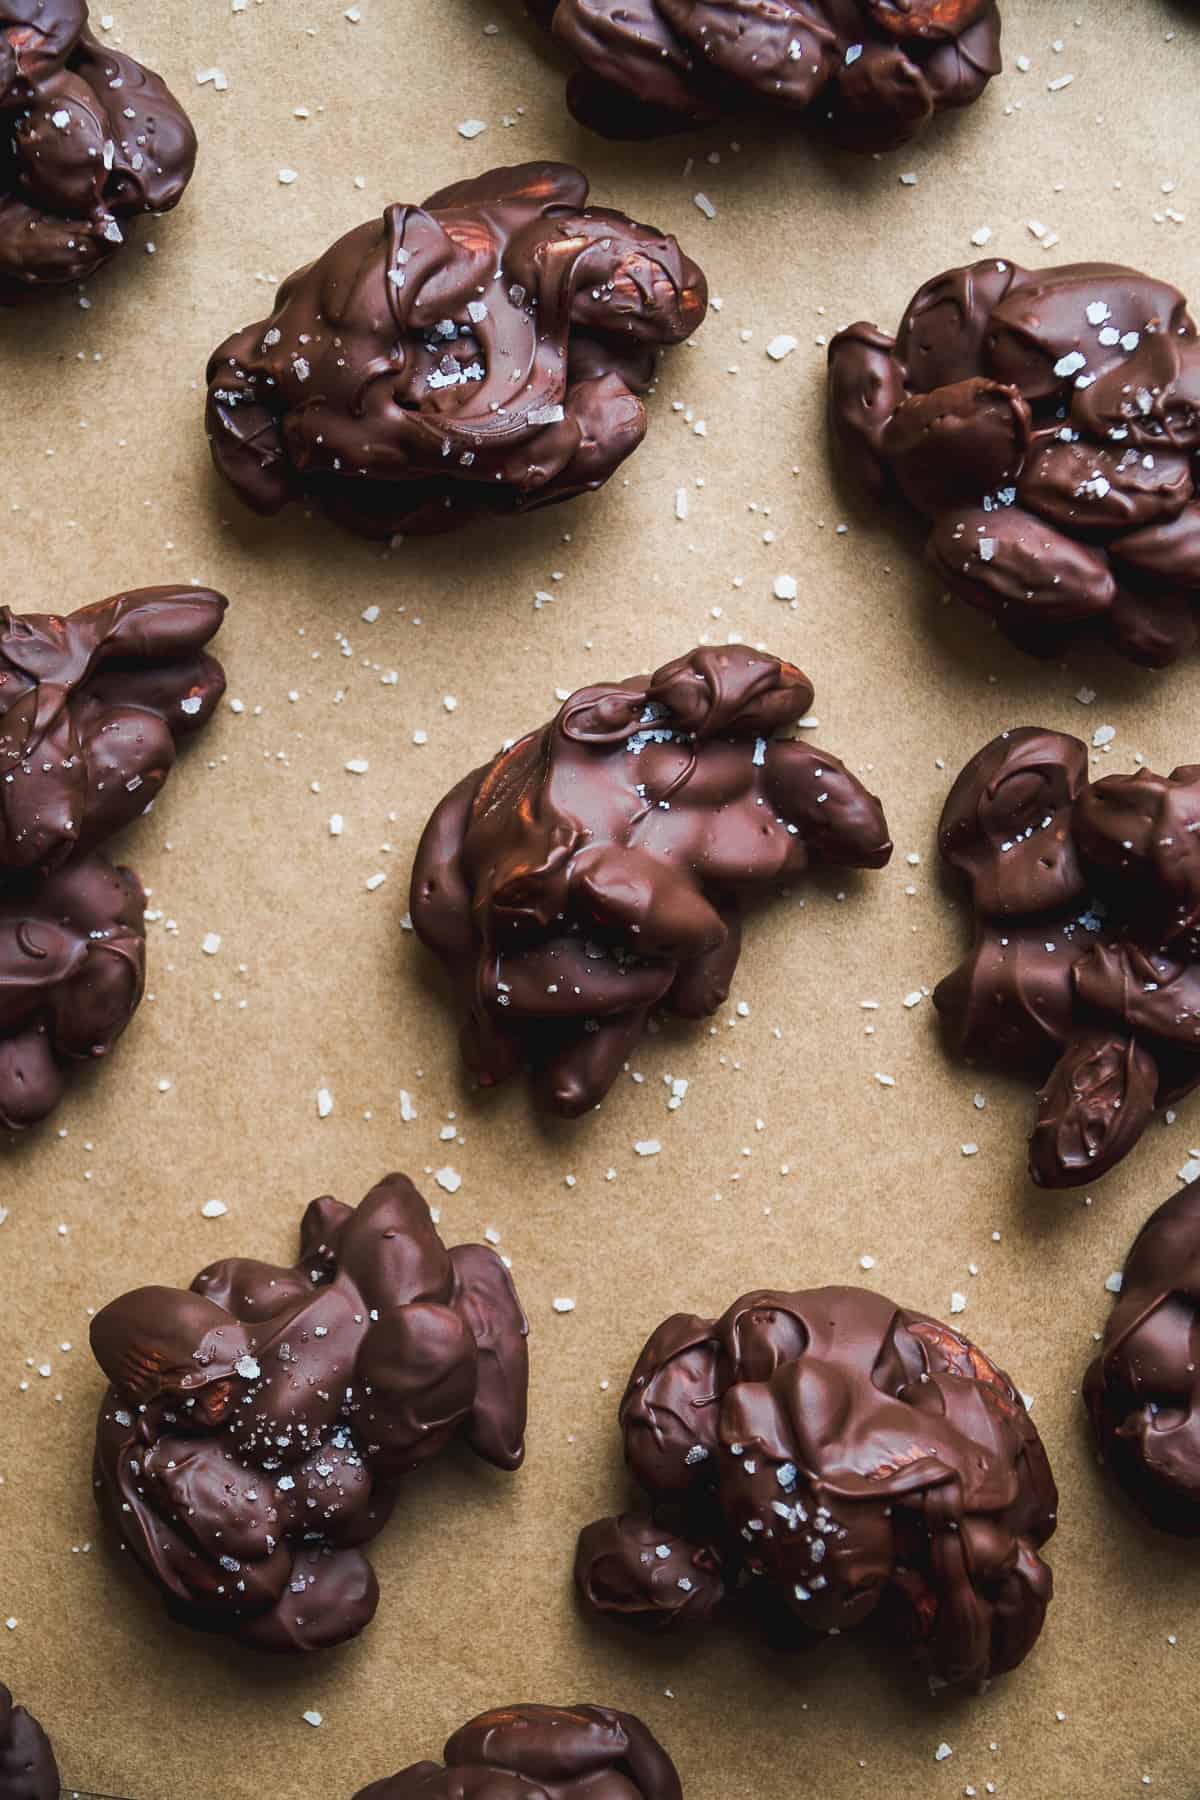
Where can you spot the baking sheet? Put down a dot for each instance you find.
(788, 1160)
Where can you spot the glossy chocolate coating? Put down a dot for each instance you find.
(541, 1753)
(91, 704)
(483, 352)
(258, 1424)
(1143, 1389)
(28, 1770)
(93, 138)
(1084, 968)
(1048, 425)
(825, 1456)
(871, 73)
(593, 871)
(72, 971)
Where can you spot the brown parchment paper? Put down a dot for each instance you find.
(788, 1160)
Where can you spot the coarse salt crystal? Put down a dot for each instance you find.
(324, 1103)
(781, 346)
(213, 1209)
(448, 1179)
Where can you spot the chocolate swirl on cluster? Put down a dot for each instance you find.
(593, 871)
(871, 73)
(258, 1424)
(91, 704)
(28, 1770)
(822, 1457)
(542, 1753)
(483, 352)
(1085, 968)
(91, 139)
(1049, 426)
(1143, 1389)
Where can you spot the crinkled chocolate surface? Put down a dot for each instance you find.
(258, 1423)
(542, 1753)
(1143, 1389)
(871, 73)
(1084, 972)
(91, 704)
(484, 352)
(594, 870)
(1048, 425)
(820, 1457)
(91, 139)
(27, 1767)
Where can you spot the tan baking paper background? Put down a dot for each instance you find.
(107, 484)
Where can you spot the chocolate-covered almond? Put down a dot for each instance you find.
(257, 1426)
(1048, 427)
(1084, 972)
(593, 871)
(828, 1456)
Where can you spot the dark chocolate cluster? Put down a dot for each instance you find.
(258, 1424)
(28, 1770)
(817, 1458)
(483, 352)
(91, 139)
(91, 705)
(542, 1753)
(1085, 968)
(1143, 1389)
(1048, 425)
(593, 871)
(872, 73)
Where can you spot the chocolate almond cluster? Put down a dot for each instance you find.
(1048, 426)
(872, 73)
(594, 870)
(484, 352)
(821, 1457)
(1143, 1389)
(28, 1770)
(258, 1423)
(92, 139)
(542, 1753)
(91, 706)
(1084, 972)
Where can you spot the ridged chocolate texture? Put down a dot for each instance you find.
(258, 1424)
(1143, 1389)
(871, 73)
(542, 1753)
(817, 1458)
(593, 871)
(1084, 972)
(483, 352)
(1048, 425)
(93, 138)
(28, 1770)
(72, 972)
(91, 704)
